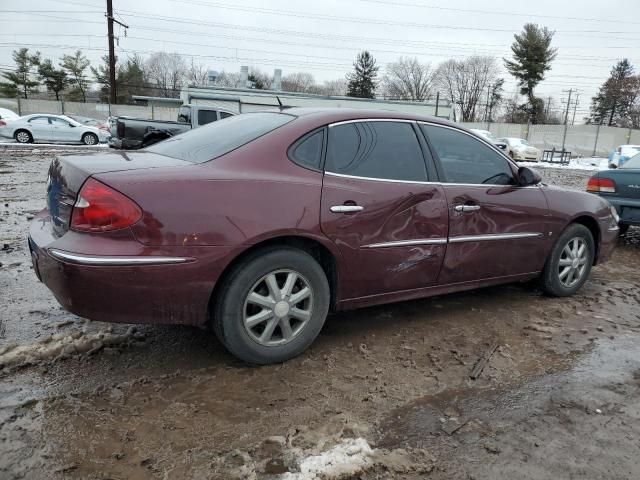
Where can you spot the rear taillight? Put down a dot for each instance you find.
(601, 185)
(3, 123)
(100, 208)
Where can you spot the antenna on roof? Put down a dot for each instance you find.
(282, 107)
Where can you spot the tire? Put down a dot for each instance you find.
(23, 136)
(511, 155)
(624, 228)
(257, 343)
(90, 139)
(552, 280)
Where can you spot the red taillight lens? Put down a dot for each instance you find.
(3, 123)
(100, 208)
(601, 185)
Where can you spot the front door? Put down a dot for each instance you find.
(377, 207)
(496, 228)
(62, 131)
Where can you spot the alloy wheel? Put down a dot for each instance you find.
(22, 137)
(278, 307)
(573, 262)
(89, 139)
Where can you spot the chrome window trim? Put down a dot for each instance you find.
(490, 145)
(493, 236)
(362, 120)
(408, 243)
(113, 260)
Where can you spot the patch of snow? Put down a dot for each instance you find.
(345, 459)
(14, 144)
(586, 163)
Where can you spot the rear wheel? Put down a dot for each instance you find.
(23, 136)
(272, 306)
(568, 267)
(90, 139)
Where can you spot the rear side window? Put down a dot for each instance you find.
(39, 120)
(218, 138)
(466, 159)
(225, 115)
(307, 152)
(184, 115)
(207, 116)
(384, 150)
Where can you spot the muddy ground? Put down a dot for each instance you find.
(384, 392)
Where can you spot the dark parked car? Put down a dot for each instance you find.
(261, 224)
(621, 188)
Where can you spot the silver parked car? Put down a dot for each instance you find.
(52, 128)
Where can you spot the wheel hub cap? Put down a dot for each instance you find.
(281, 309)
(573, 262)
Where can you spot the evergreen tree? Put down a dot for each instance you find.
(532, 57)
(616, 96)
(76, 66)
(55, 80)
(21, 81)
(362, 82)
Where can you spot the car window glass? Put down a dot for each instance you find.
(39, 121)
(184, 115)
(633, 162)
(58, 122)
(225, 114)
(307, 152)
(465, 159)
(384, 150)
(207, 116)
(218, 138)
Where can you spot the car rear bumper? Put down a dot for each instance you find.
(139, 285)
(628, 209)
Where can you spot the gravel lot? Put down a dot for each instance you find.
(384, 392)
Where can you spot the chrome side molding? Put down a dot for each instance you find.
(109, 260)
(493, 236)
(408, 243)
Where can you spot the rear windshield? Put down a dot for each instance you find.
(633, 162)
(215, 139)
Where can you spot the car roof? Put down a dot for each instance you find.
(336, 114)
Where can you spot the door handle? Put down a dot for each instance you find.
(346, 208)
(466, 208)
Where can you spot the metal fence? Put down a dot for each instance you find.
(583, 140)
(99, 111)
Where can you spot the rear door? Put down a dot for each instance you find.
(40, 128)
(496, 228)
(378, 207)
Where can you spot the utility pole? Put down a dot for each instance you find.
(112, 54)
(566, 119)
(575, 108)
(548, 108)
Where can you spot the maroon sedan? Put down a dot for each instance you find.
(260, 224)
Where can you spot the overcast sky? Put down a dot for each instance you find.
(324, 37)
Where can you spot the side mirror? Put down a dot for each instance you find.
(528, 176)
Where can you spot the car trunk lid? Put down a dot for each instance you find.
(67, 174)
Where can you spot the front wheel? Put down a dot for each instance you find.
(624, 228)
(272, 306)
(569, 264)
(90, 139)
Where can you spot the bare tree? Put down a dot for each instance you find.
(166, 73)
(260, 79)
(228, 80)
(336, 88)
(299, 82)
(197, 74)
(465, 82)
(408, 79)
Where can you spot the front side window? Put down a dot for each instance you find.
(384, 150)
(207, 116)
(58, 122)
(465, 159)
(219, 138)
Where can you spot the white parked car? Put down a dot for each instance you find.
(52, 128)
(487, 135)
(519, 149)
(621, 154)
